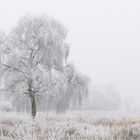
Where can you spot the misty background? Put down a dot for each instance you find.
(104, 37)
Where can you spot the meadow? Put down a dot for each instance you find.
(71, 126)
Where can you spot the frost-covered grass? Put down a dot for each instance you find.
(72, 126)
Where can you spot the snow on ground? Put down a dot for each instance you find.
(71, 126)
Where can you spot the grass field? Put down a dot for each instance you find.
(72, 126)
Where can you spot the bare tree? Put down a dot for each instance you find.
(33, 52)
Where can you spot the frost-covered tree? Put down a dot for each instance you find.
(72, 90)
(32, 52)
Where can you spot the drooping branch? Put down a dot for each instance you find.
(15, 69)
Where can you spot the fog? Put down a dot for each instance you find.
(104, 36)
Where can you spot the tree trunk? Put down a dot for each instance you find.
(33, 106)
(32, 97)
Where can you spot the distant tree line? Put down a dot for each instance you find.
(104, 99)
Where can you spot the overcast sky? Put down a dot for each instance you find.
(104, 36)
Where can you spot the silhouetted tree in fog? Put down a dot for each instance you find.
(72, 90)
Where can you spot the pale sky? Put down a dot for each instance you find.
(104, 36)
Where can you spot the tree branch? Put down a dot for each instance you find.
(15, 69)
